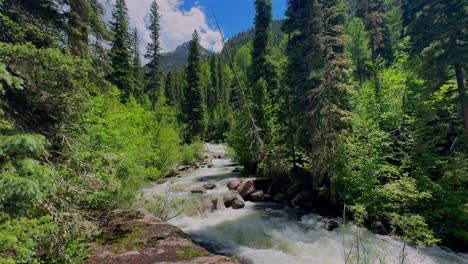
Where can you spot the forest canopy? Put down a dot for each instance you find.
(363, 101)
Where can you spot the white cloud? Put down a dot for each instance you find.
(177, 25)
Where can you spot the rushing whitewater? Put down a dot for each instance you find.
(266, 233)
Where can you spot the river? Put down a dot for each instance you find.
(269, 233)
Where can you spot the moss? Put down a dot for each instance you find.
(187, 252)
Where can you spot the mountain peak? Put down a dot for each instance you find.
(178, 57)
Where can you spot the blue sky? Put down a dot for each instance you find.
(179, 18)
(234, 15)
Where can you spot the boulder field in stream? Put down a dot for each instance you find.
(132, 237)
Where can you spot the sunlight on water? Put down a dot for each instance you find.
(263, 233)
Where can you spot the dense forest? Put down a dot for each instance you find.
(364, 101)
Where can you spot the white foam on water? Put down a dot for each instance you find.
(267, 234)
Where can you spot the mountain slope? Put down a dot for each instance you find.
(178, 57)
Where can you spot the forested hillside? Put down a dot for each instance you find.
(363, 101)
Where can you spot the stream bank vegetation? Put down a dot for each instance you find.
(362, 102)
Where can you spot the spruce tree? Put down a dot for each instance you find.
(170, 89)
(194, 108)
(333, 97)
(153, 54)
(214, 95)
(264, 73)
(303, 72)
(136, 65)
(120, 54)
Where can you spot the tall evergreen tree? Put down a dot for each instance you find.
(334, 95)
(371, 12)
(304, 52)
(214, 95)
(122, 73)
(264, 74)
(194, 107)
(136, 65)
(153, 54)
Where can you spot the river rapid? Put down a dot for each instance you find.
(269, 233)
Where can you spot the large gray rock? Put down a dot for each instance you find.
(246, 188)
(233, 185)
(230, 197)
(237, 204)
(258, 196)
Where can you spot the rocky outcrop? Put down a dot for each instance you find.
(134, 238)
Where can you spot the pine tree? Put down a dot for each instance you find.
(122, 74)
(214, 96)
(334, 95)
(303, 72)
(371, 12)
(153, 54)
(264, 73)
(194, 108)
(136, 65)
(170, 89)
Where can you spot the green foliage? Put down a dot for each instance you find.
(192, 152)
(24, 238)
(194, 107)
(120, 54)
(126, 144)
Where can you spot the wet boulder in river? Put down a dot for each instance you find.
(230, 197)
(209, 186)
(329, 224)
(172, 173)
(246, 188)
(303, 199)
(258, 196)
(232, 185)
(198, 190)
(182, 167)
(237, 204)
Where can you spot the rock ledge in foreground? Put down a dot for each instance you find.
(135, 238)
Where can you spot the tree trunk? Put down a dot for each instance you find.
(463, 98)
